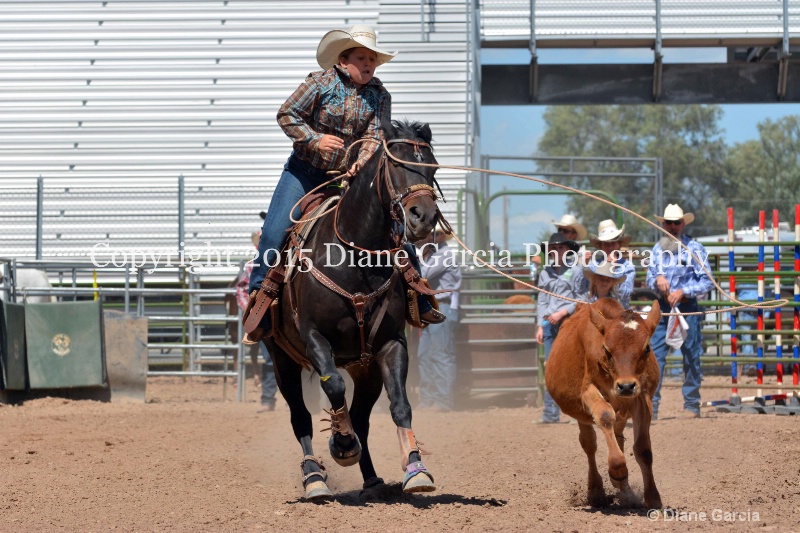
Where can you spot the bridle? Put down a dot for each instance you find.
(398, 200)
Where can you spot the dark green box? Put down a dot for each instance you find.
(65, 345)
(12, 345)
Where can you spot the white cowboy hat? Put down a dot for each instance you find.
(572, 222)
(605, 269)
(607, 231)
(335, 42)
(674, 212)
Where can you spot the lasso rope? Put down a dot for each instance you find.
(325, 184)
(761, 305)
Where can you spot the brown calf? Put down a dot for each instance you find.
(601, 370)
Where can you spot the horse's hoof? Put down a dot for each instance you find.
(374, 489)
(317, 490)
(345, 457)
(418, 479)
(373, 482)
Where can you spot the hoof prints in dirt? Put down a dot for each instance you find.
(612, 501)
(393, 493)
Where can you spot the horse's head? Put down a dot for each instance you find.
(413, 184)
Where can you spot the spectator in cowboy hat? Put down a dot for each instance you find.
(569, 226)
(680, 277)
(609, 241)
(604, 281)
(558, 278)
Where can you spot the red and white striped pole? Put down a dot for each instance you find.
(776, 291)
(760, 316)
(733, 315)
(796, 366)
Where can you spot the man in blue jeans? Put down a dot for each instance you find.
(437, 349)
(561, 276)
(679, 279)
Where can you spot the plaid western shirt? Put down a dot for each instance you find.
(328, 102)
(681, 269)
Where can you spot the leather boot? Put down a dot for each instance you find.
(432, 316)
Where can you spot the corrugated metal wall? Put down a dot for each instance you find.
(111, 101)
(684, 23)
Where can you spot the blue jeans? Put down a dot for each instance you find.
(297, 179)
(551, 411)
(691, 349)
(437, 362)
(269, 385)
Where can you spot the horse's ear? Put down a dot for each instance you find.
(425, 133)
(389, 131)
(598, 320)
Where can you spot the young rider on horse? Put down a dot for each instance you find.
(327, 113)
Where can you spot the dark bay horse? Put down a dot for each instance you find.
(351, 314)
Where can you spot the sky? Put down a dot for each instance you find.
(515, 131)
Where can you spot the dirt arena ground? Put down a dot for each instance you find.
(189, 461)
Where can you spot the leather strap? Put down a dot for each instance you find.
(269, 290)
(414, 280)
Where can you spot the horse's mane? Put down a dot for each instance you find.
(407, 129)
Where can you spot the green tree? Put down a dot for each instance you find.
(686, 138)
(766, 173)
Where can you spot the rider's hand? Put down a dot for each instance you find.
(329, 143)
(352, 170)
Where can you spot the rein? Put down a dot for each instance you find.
(397, 200)
(732, 298)
(396, 207)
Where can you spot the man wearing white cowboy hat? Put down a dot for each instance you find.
(569, 226)
(608, 241)
(327, 113)
(680, 280)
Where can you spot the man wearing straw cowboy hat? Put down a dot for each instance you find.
(609, 241)
(326, 114)
(679, 280)
(569, 226)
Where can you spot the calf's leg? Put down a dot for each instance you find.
(604, 416)
(588, 439)
(644, 454)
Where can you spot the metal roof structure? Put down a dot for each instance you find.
(761, 38)
(110, 102)
(637, 23)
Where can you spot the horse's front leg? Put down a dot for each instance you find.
(343, 444)
(394, 367)
(368, 387)
(287, 374)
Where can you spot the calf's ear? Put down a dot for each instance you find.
(654, 316)
(598, 320)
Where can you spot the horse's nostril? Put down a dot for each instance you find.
(416, 214)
